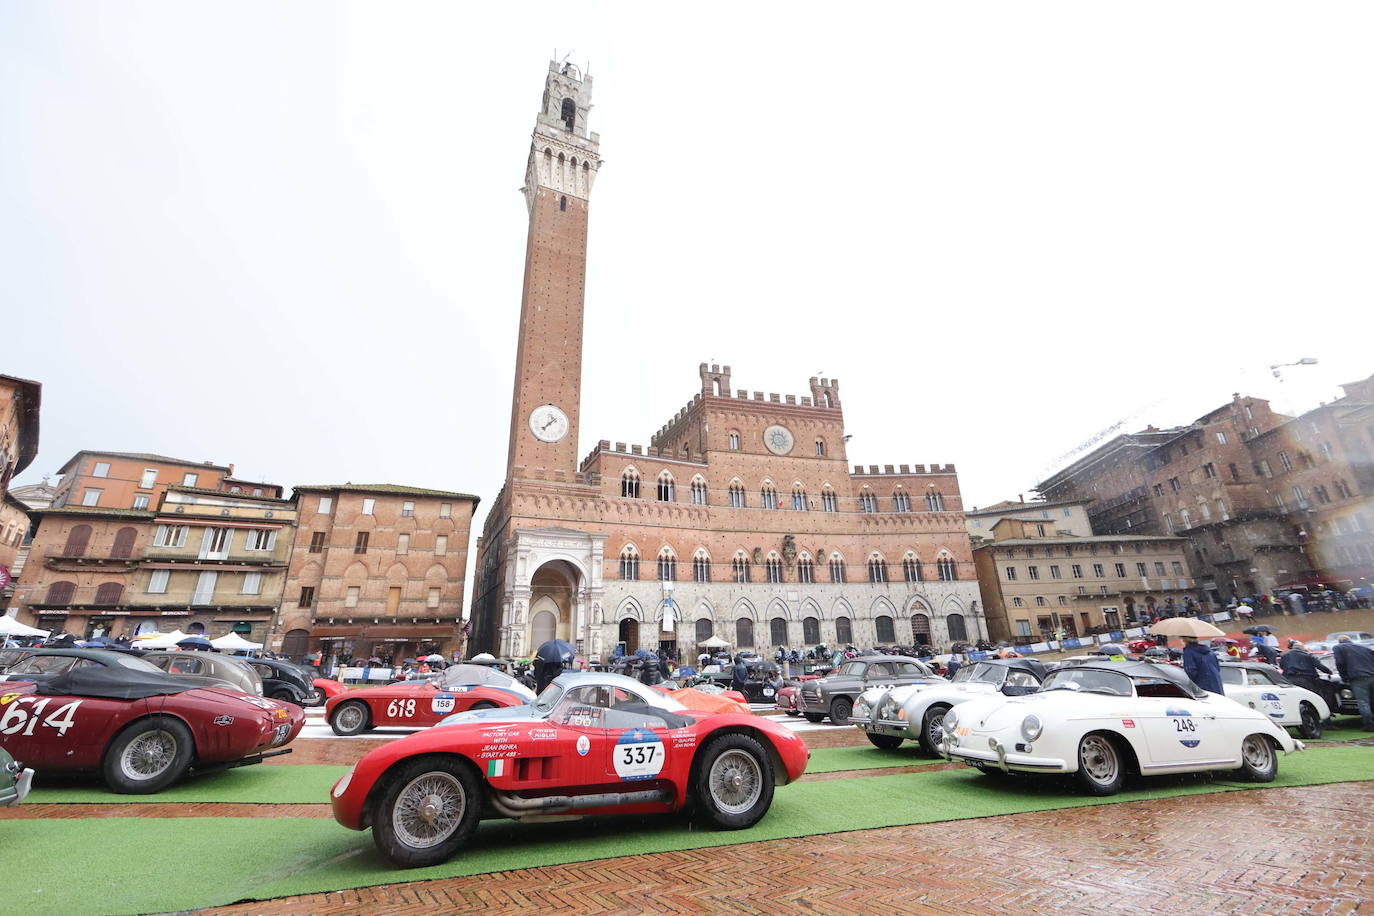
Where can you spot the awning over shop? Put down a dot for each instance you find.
(414, 631)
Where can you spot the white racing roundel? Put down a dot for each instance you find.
(638, 754)
(442, 703)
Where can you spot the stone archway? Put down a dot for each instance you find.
(553, 598)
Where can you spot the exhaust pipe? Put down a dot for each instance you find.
(509, 804)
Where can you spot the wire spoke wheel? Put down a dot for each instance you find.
(735, 781)
(149, 755)
(350, 717)
(428, 809)
(935, 728)
(1099, 759)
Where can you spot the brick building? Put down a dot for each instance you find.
(134, 540)
(1067, 517)
(1035, 584)
(24, 500)
(1265, 501)
(20, 400)
(376, 570)
(739, 519)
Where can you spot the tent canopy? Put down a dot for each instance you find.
(233, 642)
(715, 642)
(9, 626)
(161, 640)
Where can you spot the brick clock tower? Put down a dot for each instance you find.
(564, 158)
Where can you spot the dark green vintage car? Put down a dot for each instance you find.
(14, 780)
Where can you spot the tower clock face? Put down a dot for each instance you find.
(548, 423)
(778, 439)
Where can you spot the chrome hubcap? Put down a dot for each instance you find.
(1257, 752)
(350, 717)
(428, 810)
(736, 781)
(1098, 758)
(148, 755)
(936, 729)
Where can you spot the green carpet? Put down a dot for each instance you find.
(867, 757)
(302, 784)
(1347, 728)
(260, 858)
(297, 784)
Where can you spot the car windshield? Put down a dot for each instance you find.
(43, 664)
(549, 698)
(1089, 680)
(852, 669)
(981, 673)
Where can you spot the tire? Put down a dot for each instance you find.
(814, 716)
(1258, 760)
(1101, 765)
(932, 729)
(148, 756)
(409, 835)
(792, 712)
(283, 696)
(1311, 726)
(314, 698)
(733, 783)
(886, 742)
(483, 704)
(351, 718)
(840, 708)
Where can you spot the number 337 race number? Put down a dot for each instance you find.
(638, 754)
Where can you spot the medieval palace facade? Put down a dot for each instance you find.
(741, 518)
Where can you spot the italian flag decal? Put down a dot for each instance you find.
(496, 767)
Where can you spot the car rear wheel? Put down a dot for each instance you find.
(933, 728)
(1311, 726)
(350, 718)
(483, 704)
(315, 697)
(148, 756)
(791, 712)
(734, 782)
(840, 708)
(1101, 768)
(425, 811)
(1258, 762)
(886, 742)
(814, 716)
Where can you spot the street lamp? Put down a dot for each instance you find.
(1305, 361)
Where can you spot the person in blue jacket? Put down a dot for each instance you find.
(1200, 664)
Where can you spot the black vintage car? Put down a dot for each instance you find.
(282, 680)
(758, 689)
(834, 694)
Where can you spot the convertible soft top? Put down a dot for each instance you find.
(1033, 665)
(112, 684)
(1150, 670)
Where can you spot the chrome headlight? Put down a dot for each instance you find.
(950, 722)
(341, 786)
(888, 711)
(861, 709)
(1031, 727)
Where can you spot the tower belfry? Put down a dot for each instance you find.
(563, 161)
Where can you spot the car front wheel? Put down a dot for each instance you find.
(148, 756)
(933, 728)
(1101, 769)
(840, 708)
(886, 742)
(425, 811)
(1258, 762)
(1311, 726)
(734, 782)
(350, 718)
(814, 716)
(315, 697)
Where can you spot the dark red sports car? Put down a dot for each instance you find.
(142, 731)
(420, 703)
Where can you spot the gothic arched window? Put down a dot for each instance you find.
(744, 633)
(703, 630)
(701, 567)
(629, 483)
(911, 568)
(844, 631)
(773, 568)
(734, 442)
(798, 498)
(569, 114)
(768, 496)
(698, 491)
(806, 569)
(739, 567)
(868, 502)
(935, 502)
(836, 569)
(629, 562)
(828, 501)
(820, 448)
(901, 502)
(811, 631)
(887, 633)
(777, 631)
(667, 490)
(667, 566)
(877, 569)
(737, 500)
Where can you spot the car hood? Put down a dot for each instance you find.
(492, 716)
(998, 711)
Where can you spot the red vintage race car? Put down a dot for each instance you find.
(592, 743)
(787, 696)
(417, 704)
(322, 688)
(141, 731)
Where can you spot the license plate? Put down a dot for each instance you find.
(768, 691)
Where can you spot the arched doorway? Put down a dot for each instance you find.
(295, 643)
(954, 623)
(777, 631)
(886, 632)
(811, 631)
(844, 631)
(553, 590)
(920, 630)
(744, 633)
(629, 634)
(543, 627)
(195, 629)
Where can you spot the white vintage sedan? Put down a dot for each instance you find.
(1103, 720)
(890, 715)
(1263, 688)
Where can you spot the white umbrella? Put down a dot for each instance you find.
(161, 640)
(433, 658)
(1185, 626)
(715, 642)
(9, 626)
(233, 642)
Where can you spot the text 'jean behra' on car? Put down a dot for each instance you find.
(1101, 721)
(592, 743)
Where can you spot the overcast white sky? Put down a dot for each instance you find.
(289, 236)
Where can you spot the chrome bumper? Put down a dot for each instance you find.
(996, 753)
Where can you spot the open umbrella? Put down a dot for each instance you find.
(555, 651)
(195, 642)
(1258, 630)
(434, 658)
(483, 658)
(715, 642)
(1186, 626)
